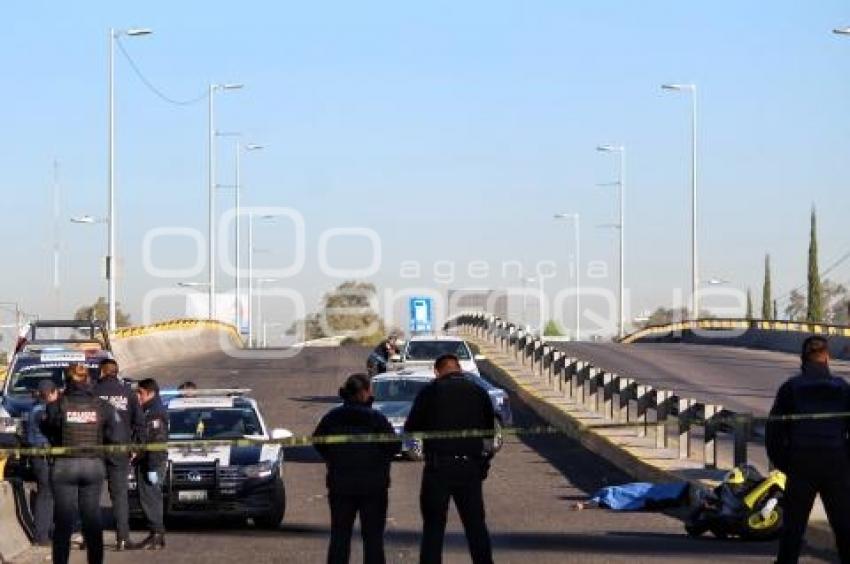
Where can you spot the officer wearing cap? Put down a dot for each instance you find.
(43, 502)
(110, 388)
(454, 468)
(813, 452)
(79, 419)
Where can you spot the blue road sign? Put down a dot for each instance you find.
(421, 315)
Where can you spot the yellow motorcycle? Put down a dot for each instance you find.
(745, 505)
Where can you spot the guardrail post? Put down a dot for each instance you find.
(742, 427)
(580, 376)
(643, 395)
(710, 440)
(662, 411)
(571, 368)
(608, 395)
(685, 417)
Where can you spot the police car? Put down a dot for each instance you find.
(423, 350)
(394, 393)
(37, 362)
(214, 480)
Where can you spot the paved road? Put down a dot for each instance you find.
(740, 379)
(532, 486)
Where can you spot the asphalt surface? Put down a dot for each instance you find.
(533, 484)
(743, 380)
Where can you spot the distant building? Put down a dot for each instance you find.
(477, 299)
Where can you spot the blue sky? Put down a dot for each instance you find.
(454, 129)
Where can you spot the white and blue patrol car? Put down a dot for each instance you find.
(222, 480)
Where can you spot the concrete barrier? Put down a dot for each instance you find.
(147, 346)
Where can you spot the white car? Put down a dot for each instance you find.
(240, 481)
(423, 350)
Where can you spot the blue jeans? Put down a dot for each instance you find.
(77, 485)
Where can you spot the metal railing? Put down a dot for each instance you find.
(664, 414)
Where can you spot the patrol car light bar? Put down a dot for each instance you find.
(206, 392)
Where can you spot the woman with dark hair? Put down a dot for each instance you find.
(358, 476)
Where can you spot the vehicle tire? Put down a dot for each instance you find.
(415, 453)
(274, 517)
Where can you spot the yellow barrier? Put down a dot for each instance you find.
(176, 324)
(742, 324)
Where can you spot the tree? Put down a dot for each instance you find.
(814, 303)
(749, 304)
(99, 311)
(766, 298)
(835, 302)
(348, 310)
(552, 329)
(796, 308)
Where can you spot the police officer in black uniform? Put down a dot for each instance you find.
(126, 403)
(358, 473)
(79, 419)
(381, 355)
(454, 468)
(151, 464)
(813, 453)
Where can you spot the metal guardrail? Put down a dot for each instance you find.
(618, 398)
(739, 324)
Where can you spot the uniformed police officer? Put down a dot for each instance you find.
(150, 469)
(454, 468)
(813, 453)
(77, 420)
(358, 473)
(125, 402)
(43, 502)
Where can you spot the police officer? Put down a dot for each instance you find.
(358, 473)
(381, 355)
(77, 420)
(126, 403)
(43, 502)
(151, 465)
(454, 468)
(813, 453)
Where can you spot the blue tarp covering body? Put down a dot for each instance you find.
(639, 495)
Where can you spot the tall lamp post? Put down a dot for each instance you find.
(621, 189)
(251, 251)
(261, 322)
(575, 218)
(111, 259)
(238, 191)
(213, 88)
(692, 88)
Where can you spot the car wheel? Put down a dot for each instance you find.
(274, 517)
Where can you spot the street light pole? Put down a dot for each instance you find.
(692, 88)
(213, 88)
(111, 259)
(575, 217)
(621, 189)
(238, 190)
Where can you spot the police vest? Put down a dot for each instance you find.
(81, 424)
(820, 396)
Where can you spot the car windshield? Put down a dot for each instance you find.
(431, 350)
(25, 379)
(213, 423)
(397, 390)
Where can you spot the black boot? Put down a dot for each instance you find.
(154, 541)
(125, 544)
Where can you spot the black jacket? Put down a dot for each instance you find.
(156, 423)
(126, 403)
(51, 423)
(452, 403)
(814, 391)
(357, 468)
